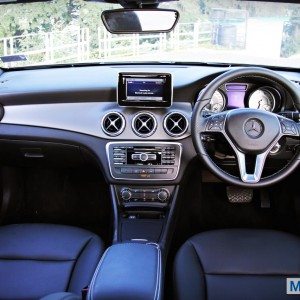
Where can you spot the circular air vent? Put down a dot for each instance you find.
(144, 124)
(175, 124)
(113, 123)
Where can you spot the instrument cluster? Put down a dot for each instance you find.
(240, 95)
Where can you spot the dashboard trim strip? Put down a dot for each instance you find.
(87, 117)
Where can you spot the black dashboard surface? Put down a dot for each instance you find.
(65, 106)
(98, 83)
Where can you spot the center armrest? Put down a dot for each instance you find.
(128, 271)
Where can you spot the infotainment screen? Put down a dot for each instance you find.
(144, 89)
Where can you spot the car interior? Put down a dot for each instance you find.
(149, 179)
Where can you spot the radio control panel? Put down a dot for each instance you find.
(144, 160)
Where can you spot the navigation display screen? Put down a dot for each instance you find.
(139, 89)
(144, 89)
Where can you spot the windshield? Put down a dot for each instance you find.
(209, 31)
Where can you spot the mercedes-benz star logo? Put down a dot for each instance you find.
(254, 128)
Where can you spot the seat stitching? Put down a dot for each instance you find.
(201, 265)
(76, 260)
(158, 275)
(93, 282)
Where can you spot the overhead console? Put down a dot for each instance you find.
(145, 89)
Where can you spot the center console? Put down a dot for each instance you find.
(145, 172)
(142, 207)
(144, 186)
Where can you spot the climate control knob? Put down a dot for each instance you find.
(126, 194)
(163, 195)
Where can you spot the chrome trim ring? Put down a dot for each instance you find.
(120, 130)
(165, 124)
(144, 125)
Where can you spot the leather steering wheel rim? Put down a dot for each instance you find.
(198, 122)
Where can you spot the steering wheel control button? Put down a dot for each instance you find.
(216, 123)
(254, 128)
(288, 127)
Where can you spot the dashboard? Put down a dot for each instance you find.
(110, 111)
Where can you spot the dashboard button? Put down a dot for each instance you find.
(126, 170)
(135, 157)
(157, 171)
(151, 156)
(126, 194)
(163, 195)
(143, 156)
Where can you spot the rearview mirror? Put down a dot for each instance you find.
(139, 20)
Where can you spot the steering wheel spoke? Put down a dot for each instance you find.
(258, 167)
(259, 164)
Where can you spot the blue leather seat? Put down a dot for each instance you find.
(40, 259)
(237, 264)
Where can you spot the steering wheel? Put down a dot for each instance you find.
(248, 131)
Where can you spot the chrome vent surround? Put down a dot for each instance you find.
(175, 124)
(144, 124)
(113, 123)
